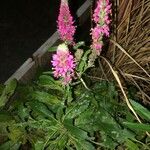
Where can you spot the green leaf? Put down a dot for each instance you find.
(84, 145)
(75, 131)
(106, 96)
(79, 44)
(107, 141)
(39, 145)
(61, 141)
(1, 88)
(86, 121)
(16, 133)
(48, 73)
(131, 145)
(23, 94)
(52, 49)
(48, 82)
(82, 65)
(88, 146)
(9, 145)
(142, 111)
(69, 148)
(60, 113)
(5, 117)
(137, 126)
(45, 97)
(8, 92)
(41, 109)
(23, 112)
(76, 109)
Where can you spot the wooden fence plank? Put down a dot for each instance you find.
(41, 56)
(84, 12)
(26, 72)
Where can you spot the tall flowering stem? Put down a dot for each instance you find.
(102, 21)
(63, 64)
(65, 22)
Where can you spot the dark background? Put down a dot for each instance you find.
(24, 26)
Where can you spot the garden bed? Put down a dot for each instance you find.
(72, 105)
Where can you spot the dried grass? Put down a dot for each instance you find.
(129, 47)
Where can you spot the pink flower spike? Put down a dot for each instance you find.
(63, 64)
(102, 21)
(65, 22)
(102, 12)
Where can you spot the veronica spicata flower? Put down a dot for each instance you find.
(101, 12)
(63, 64)
(65, 22)
(102, 21)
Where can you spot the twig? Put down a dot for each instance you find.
(82, 81)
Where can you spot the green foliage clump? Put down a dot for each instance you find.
(50, 116)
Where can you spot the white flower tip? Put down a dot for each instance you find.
(63, 47)
(64, 1)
